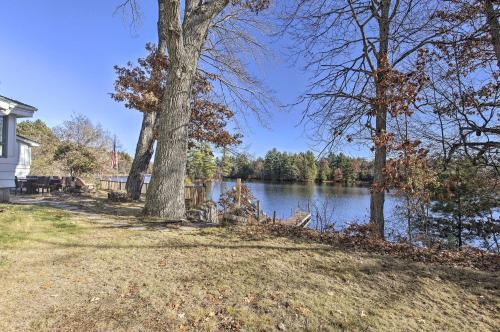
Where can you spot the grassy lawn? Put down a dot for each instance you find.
(63, 271)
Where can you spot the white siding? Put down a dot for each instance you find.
(24, 154)
(23, 166)
(8, 165)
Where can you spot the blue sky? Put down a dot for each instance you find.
(58, 55)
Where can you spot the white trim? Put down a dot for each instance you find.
(27, 141)
(8, 107)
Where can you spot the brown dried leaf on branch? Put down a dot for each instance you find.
(141, 88)
(229, 202)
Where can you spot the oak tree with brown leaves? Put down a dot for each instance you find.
(183, 27)
(355, 49)
(464, 89)
(141, 87)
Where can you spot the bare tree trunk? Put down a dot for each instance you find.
(145, 144)
(142, 158)
(494, 27)
(378, 193)
(165, 195)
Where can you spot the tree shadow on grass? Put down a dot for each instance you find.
(374, 265)
(85, 204)
(241, 239)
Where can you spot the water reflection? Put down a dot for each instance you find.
(346, 204)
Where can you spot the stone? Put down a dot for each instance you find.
(206, 213)
(118, 196)
(231, 218)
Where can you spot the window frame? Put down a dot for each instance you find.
(4, 136)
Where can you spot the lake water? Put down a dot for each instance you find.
(339, 205)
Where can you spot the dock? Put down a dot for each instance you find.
(299, 219)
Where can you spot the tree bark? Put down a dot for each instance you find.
(142, 158)
(378, 194)
(165, 195)
(494, 27)
(145, 144)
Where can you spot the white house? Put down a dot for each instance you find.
(15, 151)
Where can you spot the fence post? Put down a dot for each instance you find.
(274, 217)
(258, 211)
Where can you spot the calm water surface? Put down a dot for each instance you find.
(342, 205)
(339, 205)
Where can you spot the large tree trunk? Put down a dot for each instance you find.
(142, 158)
(494, 27)
(378, 194)
(145, 144)
(165, 195)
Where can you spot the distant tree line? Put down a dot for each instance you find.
(296, 167)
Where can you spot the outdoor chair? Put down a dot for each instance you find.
(43, 183)
(31, 184)
(20, 184)
(55, 183)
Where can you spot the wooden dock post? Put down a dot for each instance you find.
(274, 217)
(258, 211)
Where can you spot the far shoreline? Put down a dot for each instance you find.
(123, 178)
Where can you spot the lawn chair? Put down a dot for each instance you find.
(44, 184)
(20, 184)
(32, 184)
(55, 183)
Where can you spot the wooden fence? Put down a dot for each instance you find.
(195, 195)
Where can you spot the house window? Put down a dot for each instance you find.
(3, 136)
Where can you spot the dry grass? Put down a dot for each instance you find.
(62, 271)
